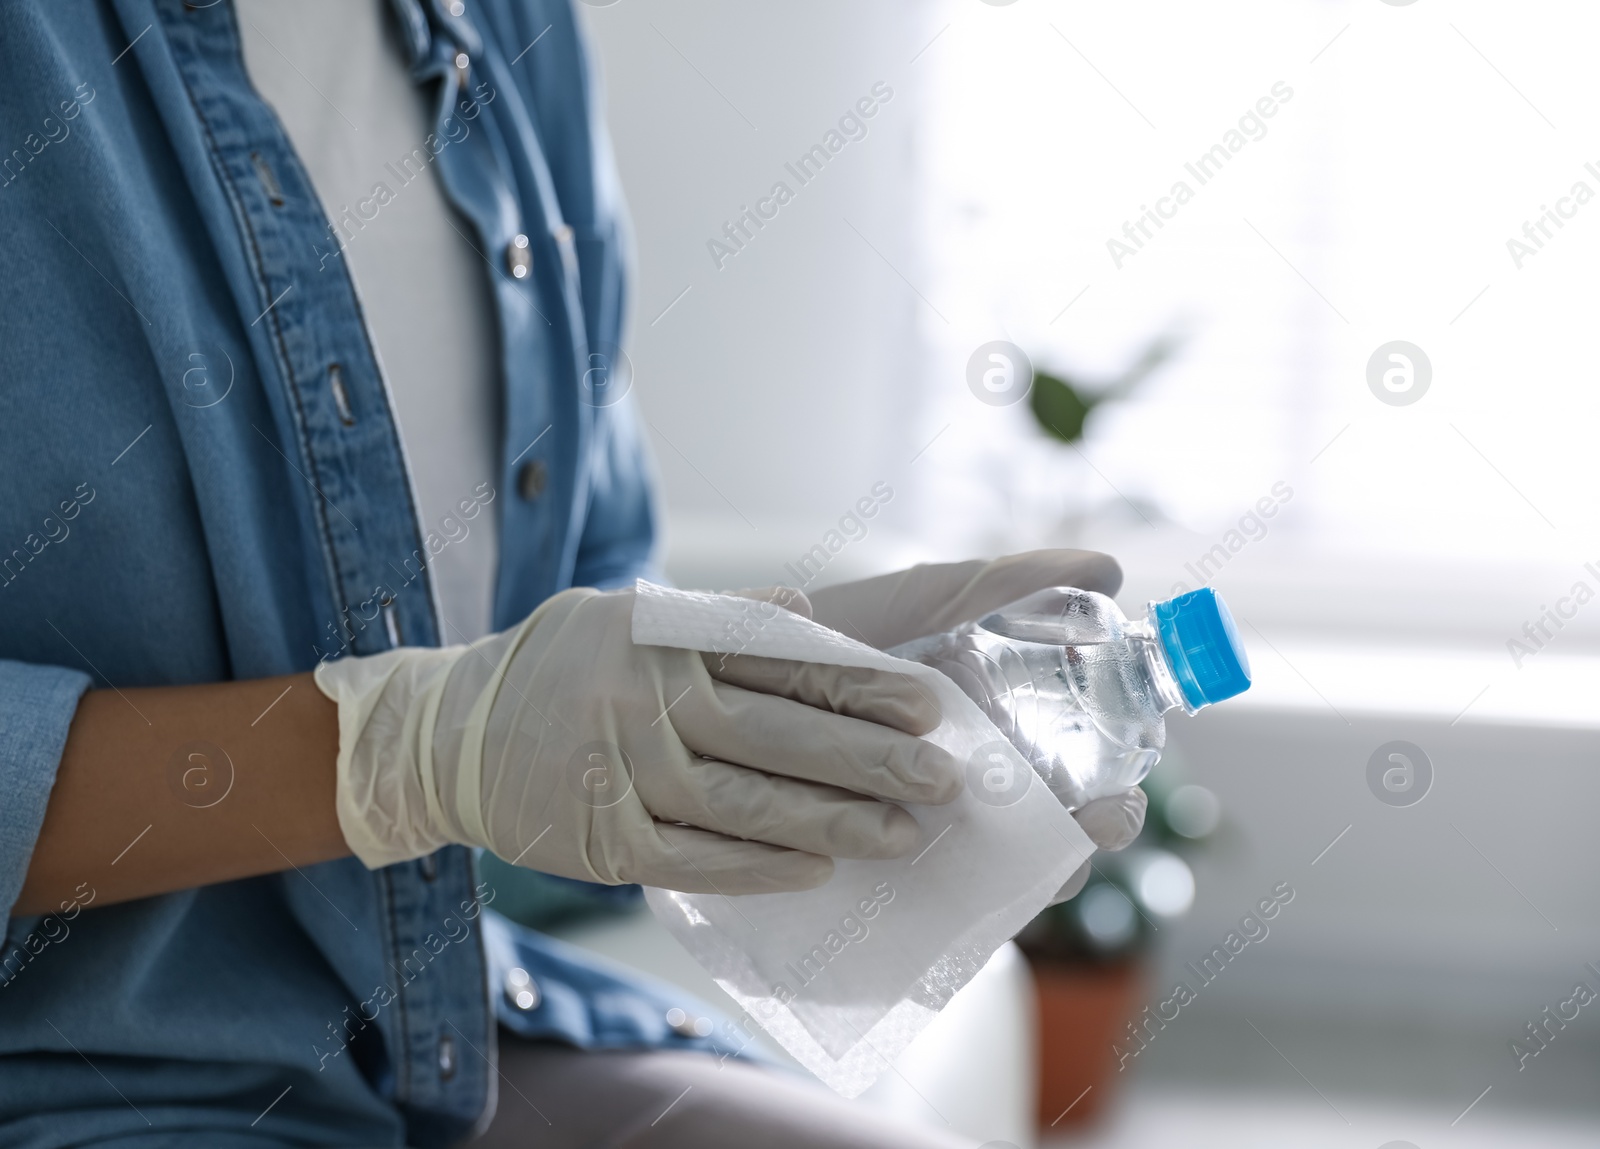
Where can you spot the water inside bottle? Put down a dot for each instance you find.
(1085, 709)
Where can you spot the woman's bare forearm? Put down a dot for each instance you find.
(167, 788)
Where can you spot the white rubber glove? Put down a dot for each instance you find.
(1111, 823)
(562, 746)
(935, 597)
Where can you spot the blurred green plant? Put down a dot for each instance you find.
(1062, 405)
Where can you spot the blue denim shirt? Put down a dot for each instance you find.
(202, 480)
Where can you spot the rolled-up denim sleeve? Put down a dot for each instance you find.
(36, 708)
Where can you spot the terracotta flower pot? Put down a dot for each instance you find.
(1082, 1010)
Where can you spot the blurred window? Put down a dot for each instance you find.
(1292, 186)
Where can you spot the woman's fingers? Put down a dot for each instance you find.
(1073, 886)
(886, 695)
(1115, 820)
(763, 807)
(895, 608)
(1111, 822)
(780, 736)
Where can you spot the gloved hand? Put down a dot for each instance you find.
(934, 597)
(562, 746)
(1111, 823)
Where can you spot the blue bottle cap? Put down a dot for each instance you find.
(1203, 645)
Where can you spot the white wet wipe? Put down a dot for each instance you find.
(845, 976)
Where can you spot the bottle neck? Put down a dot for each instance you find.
(1158, 667)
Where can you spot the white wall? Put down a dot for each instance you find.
(778, 388)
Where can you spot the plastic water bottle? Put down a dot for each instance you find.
(1080, 690)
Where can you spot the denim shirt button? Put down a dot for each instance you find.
(521, 990)
(687, 1025)
(447, 1057)
(531, 478)
(519, 257)
(458, 8)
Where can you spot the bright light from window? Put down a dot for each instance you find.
(1292, 187)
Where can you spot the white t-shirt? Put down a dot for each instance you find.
(336, 74)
